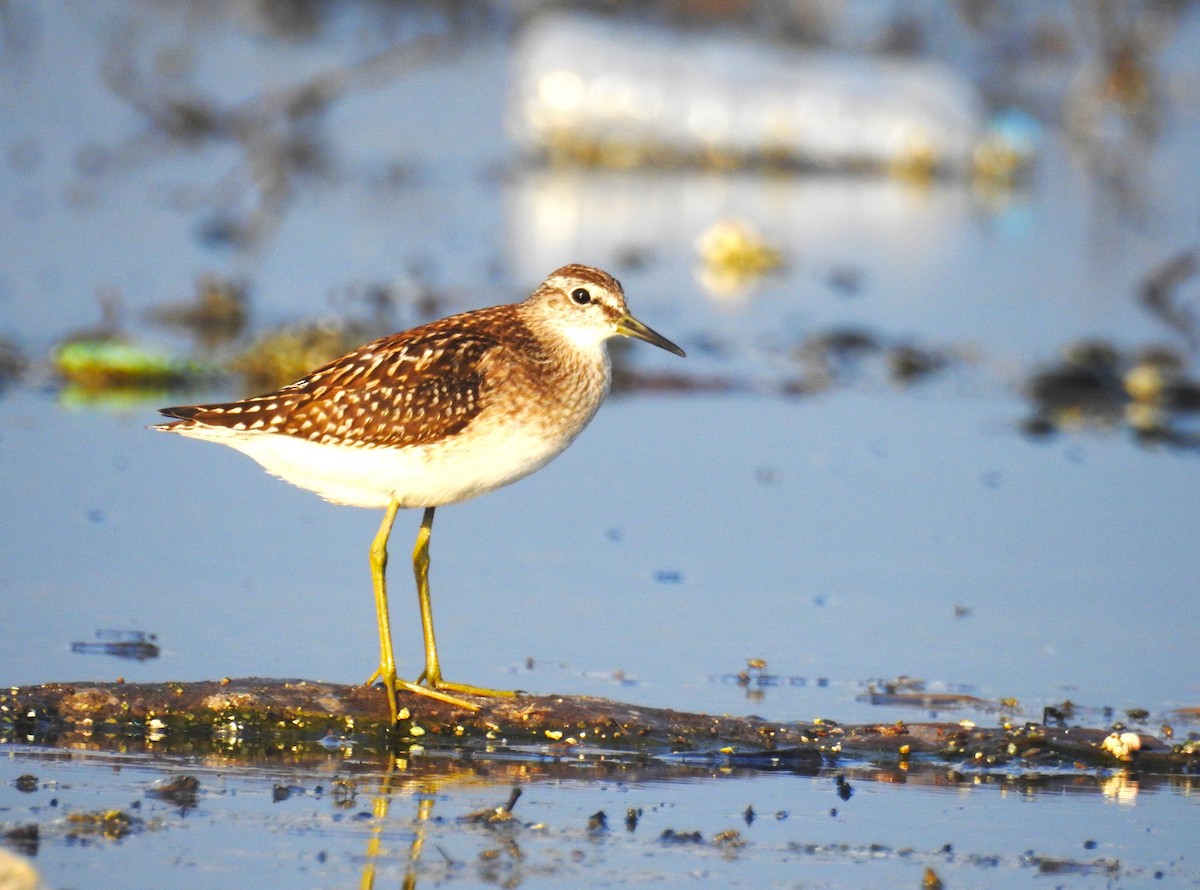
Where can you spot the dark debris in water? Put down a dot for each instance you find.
(495, 815)
(844, 789)
(1051, 865)
(1046, 865)
(671, 836)
(180, 790)
(12, 363)
(905, 691)
(217, 313)
(26, 783)
(1095, 386)
(928, 701)
(840, 357)
(110, 824)
(131, 644)
(24, 839)
(597, 823)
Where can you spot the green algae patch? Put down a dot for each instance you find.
(98, 365)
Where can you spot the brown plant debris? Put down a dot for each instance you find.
(264, 711)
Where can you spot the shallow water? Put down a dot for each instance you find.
(341, 819)
(846, 567)
(848, 536)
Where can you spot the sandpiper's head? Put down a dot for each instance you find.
(587, 306)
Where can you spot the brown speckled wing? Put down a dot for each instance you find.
(407, 389)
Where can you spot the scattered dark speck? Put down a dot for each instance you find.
(632, 257)
(1038, 428)
(846, 280)
(25, 156)
(705, 344)
(92, 160)
(1089, 845)
(12, 362)
(95, 515)
(222, 231)
(993, 479)
(833, 812)
(614, 534)
(819, 600)
(822, 682)
(909, 364)
(321, 857)
(748, 815)
(668, 576)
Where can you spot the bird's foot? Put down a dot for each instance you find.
(392, 684)
(437, 693)
(462, 688)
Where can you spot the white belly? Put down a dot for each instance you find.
(482, 458)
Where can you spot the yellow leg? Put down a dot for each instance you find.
(432, 675)
(386, 672)
(433, 671)
(379, 558)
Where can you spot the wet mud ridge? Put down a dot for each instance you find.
(270, 711)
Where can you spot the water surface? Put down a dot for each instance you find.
(847, 534)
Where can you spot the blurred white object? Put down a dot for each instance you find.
(18, 873)
(610, 216)
(614, 94)
(1122, 745)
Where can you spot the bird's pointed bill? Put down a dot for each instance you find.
(631, 327)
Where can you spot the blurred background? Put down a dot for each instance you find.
(935, 265)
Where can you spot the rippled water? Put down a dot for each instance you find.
(344, 820)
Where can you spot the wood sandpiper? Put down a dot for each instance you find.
(432, 416)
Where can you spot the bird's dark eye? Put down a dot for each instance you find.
(581, 296)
